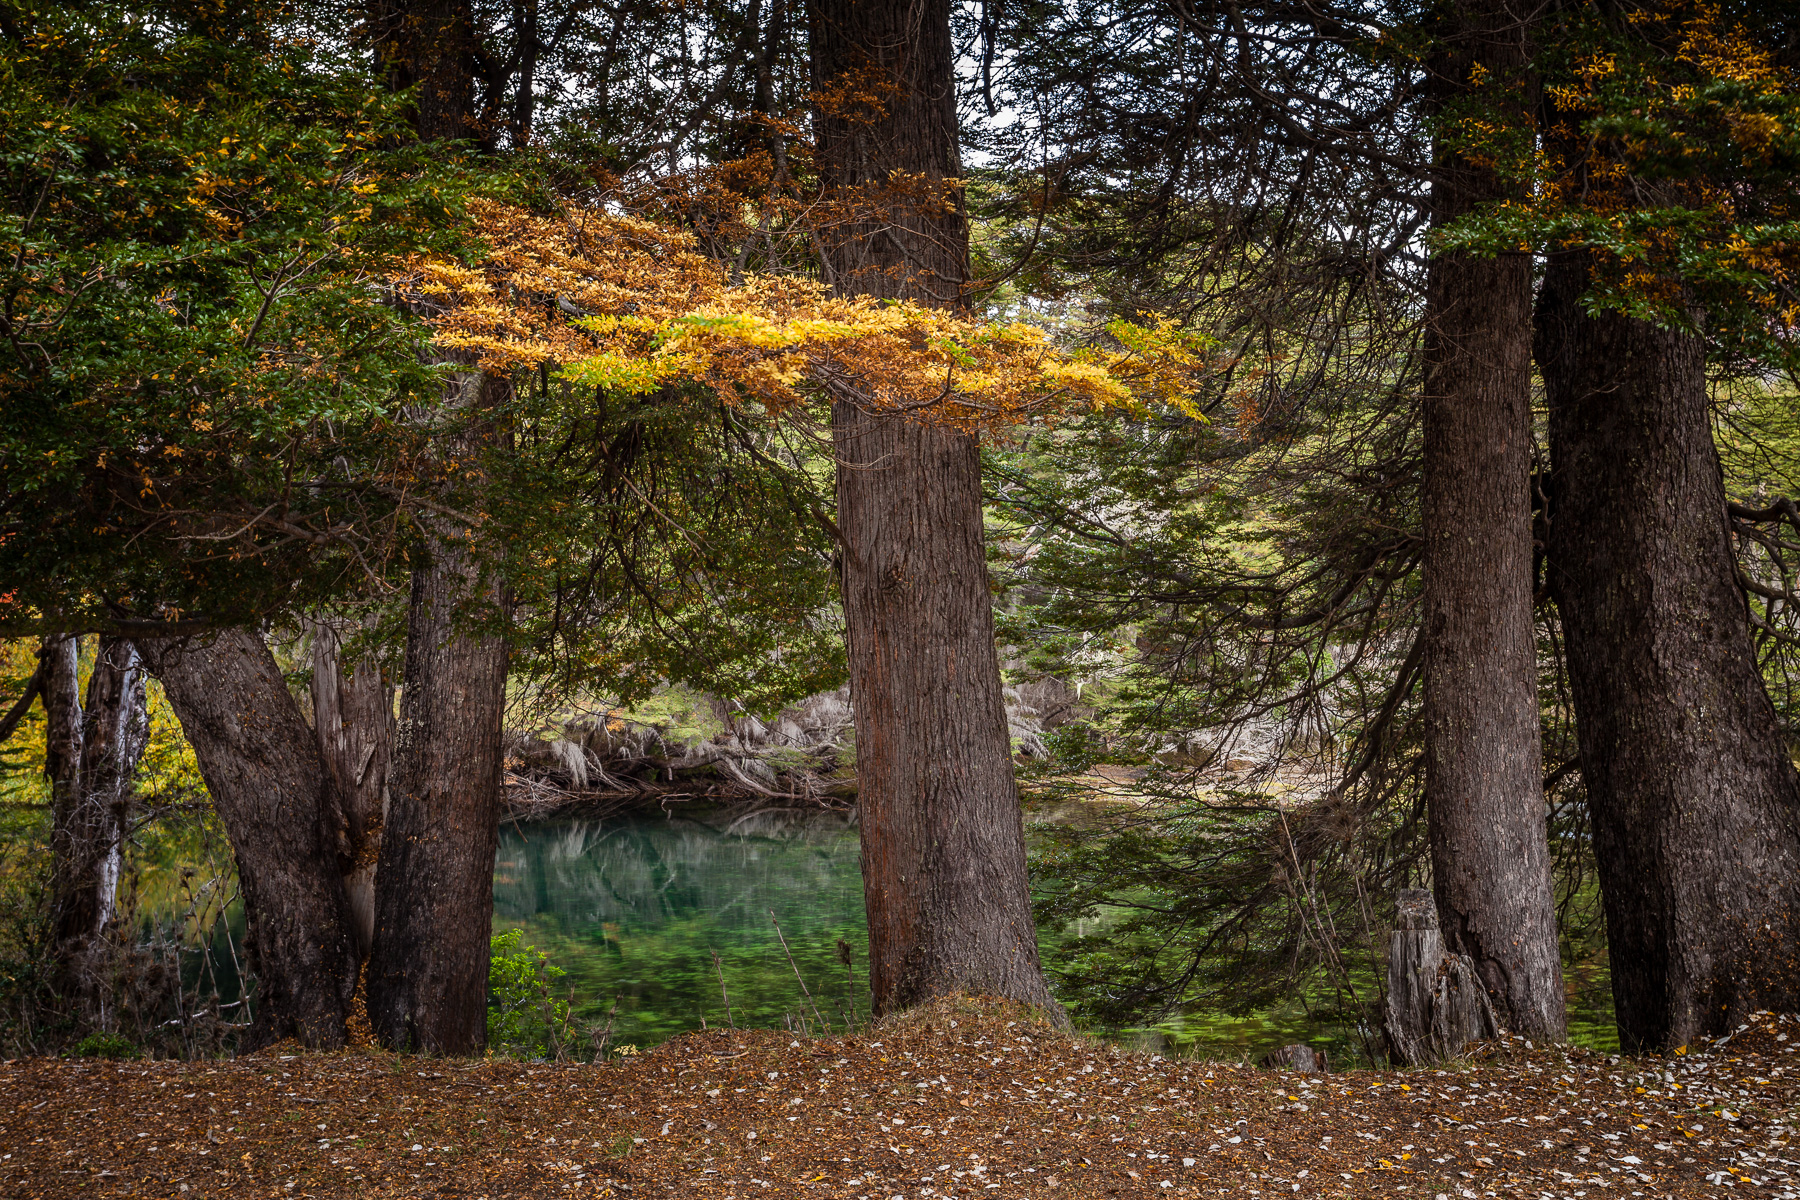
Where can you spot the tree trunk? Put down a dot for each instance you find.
(353, 718)
(1483, 752)
(91, 757)
(62, 712)
(262, 767)
(1694, 802)
(1436, 1003)
(943, 849)
(429, 45)
(428, 973)
(89, 826)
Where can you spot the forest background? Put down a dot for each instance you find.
(523, 323)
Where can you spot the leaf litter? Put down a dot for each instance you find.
(960, 1099)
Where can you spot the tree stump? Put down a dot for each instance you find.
(1297, 1057)
(1436, 1004)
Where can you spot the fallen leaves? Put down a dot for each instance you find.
(956, 1101)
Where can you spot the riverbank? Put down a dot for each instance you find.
(958, 1101)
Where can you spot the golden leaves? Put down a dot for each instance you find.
(620, 303)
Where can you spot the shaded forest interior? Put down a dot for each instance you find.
(1275, 510)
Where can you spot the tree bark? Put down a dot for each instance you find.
(1436, 1003)
(89, 817)
(428, 972)
(429, 45)
(943, 849)
(353, 719)
(1694, 801)
(91, 756)
(1483, 751)
(269, 786)
(434, 884)
(62, 717)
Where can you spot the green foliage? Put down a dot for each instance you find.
(666, 537)
(1670, 157)
(198, 222)
(524, 1017)
(1224, 587)
(106, 1045)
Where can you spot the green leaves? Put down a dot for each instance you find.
(1669, 156)
(195, 338)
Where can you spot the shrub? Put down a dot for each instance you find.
(107, 1045)
(523, 1016)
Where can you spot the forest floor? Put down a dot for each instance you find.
(959, 1101)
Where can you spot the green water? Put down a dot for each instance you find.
(635, 908)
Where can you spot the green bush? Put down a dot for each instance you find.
(106, 1045)
(524, 1017)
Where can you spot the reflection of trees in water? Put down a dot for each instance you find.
(639, 873)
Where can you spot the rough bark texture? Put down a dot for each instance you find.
(62, 713)
(429, 45)
(943, 850)
(1436, 1003)
(353, 718)
(428, 972)
(91, 757)
(1694, 801)
(87, 839)
(262, 767)
(1483, 751)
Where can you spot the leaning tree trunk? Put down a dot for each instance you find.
(270, 789)
(943, 849)
(434, 896)
(353, 718)
(1694, 802)
(89, 821)
(1483, 752)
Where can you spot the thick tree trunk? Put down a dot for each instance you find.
(262, 767)
(428, 973)
(429, 45)
(1483, 753)
(353, 718)
(1694, 801)
(943, 843)
(89, 818)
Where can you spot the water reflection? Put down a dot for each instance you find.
(635, 908)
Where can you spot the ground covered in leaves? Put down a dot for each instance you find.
(958, 1101)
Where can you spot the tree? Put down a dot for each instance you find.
(272, 792)
(434, 881)
(1694, 800)
(943, 841)
(194, 357)
(1661, 145)
(1483, 756)
(1257, 168)
(353, 720)
(194, 348)
(91, 757)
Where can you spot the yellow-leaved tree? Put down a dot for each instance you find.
(617, 302)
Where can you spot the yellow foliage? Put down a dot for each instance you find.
(620, 303)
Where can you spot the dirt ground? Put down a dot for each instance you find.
(956, 1102)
